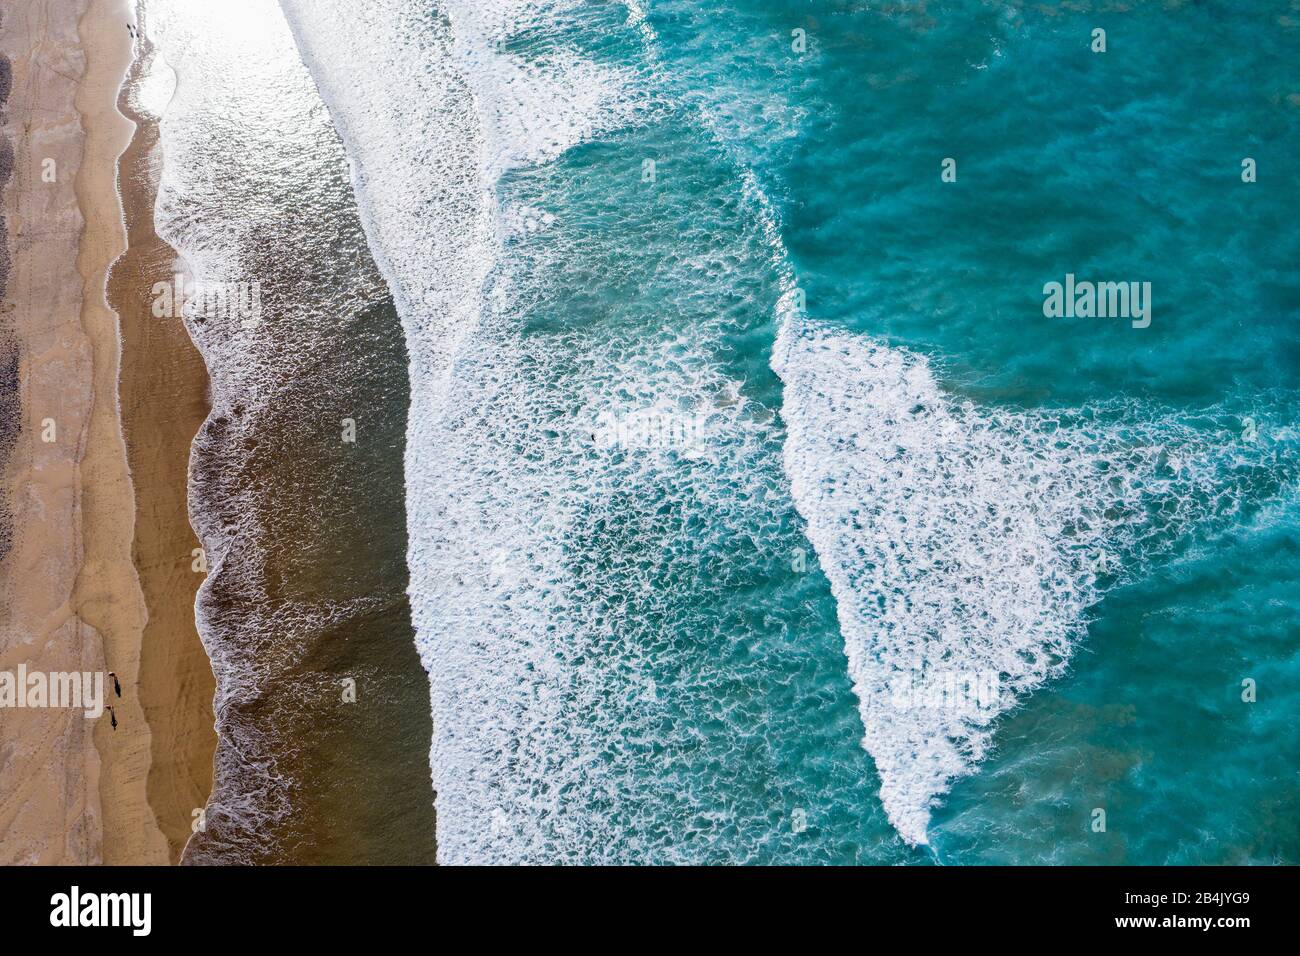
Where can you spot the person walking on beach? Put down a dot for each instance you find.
(117, 687)
(112, 717)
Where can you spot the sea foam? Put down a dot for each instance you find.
(252, 191)
(545, 574)
(966, 540)
(489, 587)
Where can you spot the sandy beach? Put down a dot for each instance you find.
(163, 395)
(77, 791)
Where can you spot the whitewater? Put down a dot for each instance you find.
(546, 573)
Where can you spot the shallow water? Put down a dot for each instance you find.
(729, 418)
(303, 606)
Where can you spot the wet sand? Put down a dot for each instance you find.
(163, 394)
(74, 790)
(107, 595)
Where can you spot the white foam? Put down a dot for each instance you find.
(967, 542)
(240, 121)
(966, 539)
(249, 789)
(533, 108)
(540, 647)
(488, 588)
(428, 144)
(954, 538)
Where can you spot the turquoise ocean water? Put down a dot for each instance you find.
(728, 414)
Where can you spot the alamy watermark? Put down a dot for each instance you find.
(74, 908)
(179, 299)
(961, 692)
(79, 690)
(651, 429)
(1102, 300)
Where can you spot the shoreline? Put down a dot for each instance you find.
(108, 595)
(81, 587)
(164, 400)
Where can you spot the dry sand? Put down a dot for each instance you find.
(49, 777)
(72, 790)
